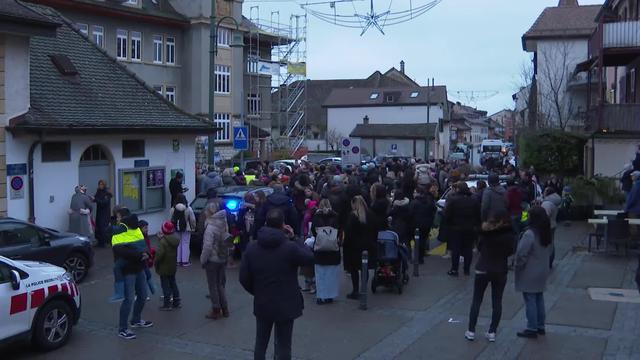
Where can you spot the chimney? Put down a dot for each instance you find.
(568, 3)
(402, 66)
(365, 120)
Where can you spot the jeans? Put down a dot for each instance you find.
(498, 282)
(283, 335)
(170, 290)
(135, 286)
(217, 279)
(424, 241)
(534, 308)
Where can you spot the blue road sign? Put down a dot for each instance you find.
(241, 138)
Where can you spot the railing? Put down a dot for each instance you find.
(621, 34)
(615, 118)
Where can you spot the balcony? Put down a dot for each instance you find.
(611, 118)
(619, 40)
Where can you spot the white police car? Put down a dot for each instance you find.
(38, 302)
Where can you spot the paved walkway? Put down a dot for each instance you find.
(426, 322)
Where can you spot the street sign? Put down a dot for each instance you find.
(241, 138)
(17, 188)
(394, 147)
(16, 169)
(351, 152)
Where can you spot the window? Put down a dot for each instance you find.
(223, 76)
(94, 153)
(170, 93)
(157, 49)
(171, 50)
(136, 46)
(142, 190)
(414, 95)
(158, 89)
(56, 151)
(223, 36)
(389, 98)
(132, 148)
(222, 121)
(253, 61)
(373, 96)
(5, 271)
(84, 28)
(98, 35)
(17, 234)
(253, 104)
(121, 44)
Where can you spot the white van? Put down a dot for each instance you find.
(38, 302)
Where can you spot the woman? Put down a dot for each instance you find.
(324, 228)
(184, 221)
(360, 234)
(462, 218)
(379, 205)
(532, 270)
(80, 212)
(401, 217)
(495, 245)
(102, 198)
(215, 251)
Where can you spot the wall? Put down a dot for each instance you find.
(54, 182)
(344, 120)
(405, 147)
(3, 162)
(611, 155)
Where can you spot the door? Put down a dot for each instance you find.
(15, 315)
(94, 166)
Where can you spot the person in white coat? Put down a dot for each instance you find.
(184, 221)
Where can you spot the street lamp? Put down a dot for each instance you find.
(236, 42)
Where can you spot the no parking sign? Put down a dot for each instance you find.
(16, 185)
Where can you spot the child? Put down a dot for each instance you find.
(144, 227)
(166, 266)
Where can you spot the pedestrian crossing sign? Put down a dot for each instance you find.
(241, 138)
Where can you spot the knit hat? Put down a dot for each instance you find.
(167, 228)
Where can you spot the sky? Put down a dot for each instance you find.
(467, 45)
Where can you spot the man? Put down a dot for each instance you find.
(494, 200)
(176, 188)
(211, 181)
(527, 187)
(269, 272)
(423, 211)
(278, 200)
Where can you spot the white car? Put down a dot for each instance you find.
(38, 302)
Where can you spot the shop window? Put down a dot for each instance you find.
(54, 151)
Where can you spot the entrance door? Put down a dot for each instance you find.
(95, 165)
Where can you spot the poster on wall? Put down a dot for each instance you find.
(131, 190)
(155, 178)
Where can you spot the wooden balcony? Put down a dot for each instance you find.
(616, 39)
(612, 118)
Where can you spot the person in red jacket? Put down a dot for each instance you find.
(514, 204)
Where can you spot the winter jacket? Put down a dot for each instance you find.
(165, 261)
(269, 272)
(324, 219)
(462, 214)
(189, 216)
(216, 241)
(494, 201)
(380, 209)
(514, 200)
(551, 205)
(423, 211)
(423, 175)
(278, 201)
(211, 181)
(401, 219)
(340, 203)
(357, 238)
(130, 253)
(532, 264)
(632, 205)
(495, 244)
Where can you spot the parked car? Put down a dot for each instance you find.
(331, 161)
(38, 302)
(230, 198)
(383, 159)
(471, 182)
(20, 240)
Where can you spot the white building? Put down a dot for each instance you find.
(74, 116)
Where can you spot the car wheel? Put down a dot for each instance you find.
(78, 265)
(53, 325)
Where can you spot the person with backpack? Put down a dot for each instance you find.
(184, 222)
(326, 251)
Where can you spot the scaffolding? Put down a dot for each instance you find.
(278, 51)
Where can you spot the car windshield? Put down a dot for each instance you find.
(491, 148)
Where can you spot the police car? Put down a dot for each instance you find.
(38, 302)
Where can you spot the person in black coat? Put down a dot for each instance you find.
(360, 234)
(278, 200)
(102, 199)
(495, 246)
(269, 272)
(423, 211)
(400, 216)
(462, 218)
(380, 206)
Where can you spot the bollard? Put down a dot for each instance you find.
(416, 253)
(364, 280)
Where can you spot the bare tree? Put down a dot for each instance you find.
(333, 139)
(526, 96)
(555, 70)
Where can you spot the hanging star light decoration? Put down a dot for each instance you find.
(371, 19)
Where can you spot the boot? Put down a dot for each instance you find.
(215, 314)
(225, 311)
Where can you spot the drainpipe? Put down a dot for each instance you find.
(593, 154)
(32, 207)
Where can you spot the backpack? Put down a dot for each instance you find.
(326, 239)
(179, 220)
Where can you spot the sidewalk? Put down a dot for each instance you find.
(426, 322)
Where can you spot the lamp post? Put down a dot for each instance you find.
(236, 42)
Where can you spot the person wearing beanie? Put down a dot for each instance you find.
(166, 266)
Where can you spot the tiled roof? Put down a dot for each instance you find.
(574, 21)
(16, 11)
(394, 131)
(159, 9)
(103, 96)
(426, 95)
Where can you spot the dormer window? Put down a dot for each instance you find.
(414, 95)
(373, 96)
(389, 98)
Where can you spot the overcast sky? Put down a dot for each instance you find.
(467, 45)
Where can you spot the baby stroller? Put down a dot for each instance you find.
(392, 267)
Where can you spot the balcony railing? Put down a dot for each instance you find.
(621, 34)
(615, 118)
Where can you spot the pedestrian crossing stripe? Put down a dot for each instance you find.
(240, 135)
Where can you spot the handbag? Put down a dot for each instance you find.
(326, 239)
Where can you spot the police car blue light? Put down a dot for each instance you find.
(232, 205)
